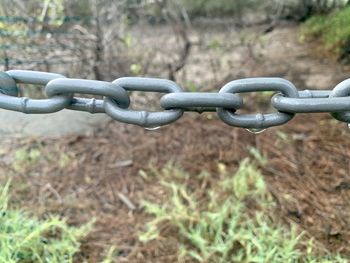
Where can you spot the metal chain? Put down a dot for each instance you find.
(60, 91)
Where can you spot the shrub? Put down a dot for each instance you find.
(332, 31)
(303, 9)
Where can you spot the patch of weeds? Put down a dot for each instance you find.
(258, 156)
(166, 172)
(246, 182)
(192, 87)
(64, 160)
(110, 255)
(215, 45)
(24, 157)
(283, 137)
(332, 30)
(261, 97)
(230, 221)
(136, 69)
(25, 238)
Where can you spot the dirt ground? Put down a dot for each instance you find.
(97, 174)
(307, 172)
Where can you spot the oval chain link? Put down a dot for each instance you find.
(33, 106)
(144, 118)
(342, 90)
(90, 87)
(259, 120)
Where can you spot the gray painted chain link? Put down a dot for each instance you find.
(60, 91)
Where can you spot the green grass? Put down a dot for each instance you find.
(25, 158)
(24, 238)
(230, 221)
(333, 30)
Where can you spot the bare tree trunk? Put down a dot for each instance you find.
(181, 62)
(98, 52)
(179, 23)
(44, 15)
(6, 61)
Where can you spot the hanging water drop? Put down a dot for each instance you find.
(152, 128)
(255, 130)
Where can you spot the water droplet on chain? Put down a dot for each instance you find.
(152, 128)
(256, 131)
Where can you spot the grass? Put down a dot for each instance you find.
(24, 238)
(36, 234)
(233, 220)
(333, 31)
(26, 157)
(28, 239)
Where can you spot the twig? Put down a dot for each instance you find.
(126, 201)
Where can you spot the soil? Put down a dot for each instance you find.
(307, 173)
(307, 170)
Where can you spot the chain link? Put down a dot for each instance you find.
(259, 120)
(26, 105)
(60, 91)
(144, 118)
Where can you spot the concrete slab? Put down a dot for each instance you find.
(16, 124)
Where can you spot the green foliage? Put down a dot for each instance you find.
(218, 7)
(333, 31)
(303, 9)
(24, 238)
(78, 8)
(191, 86)
(259, 157)
(54, 12)
(10, 29)
(216, 45)
(222, 226)
(136, 69)
(247, 182)
(24, 158)
(110, 255)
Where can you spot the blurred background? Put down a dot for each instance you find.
(77, 187)
(179, 40)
